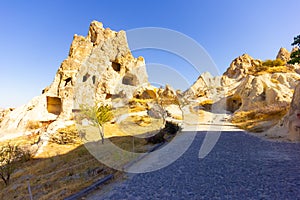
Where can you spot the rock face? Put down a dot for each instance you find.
(283, 54)
(239, 68)
(247, 90)
(249, 85)
(97, 68)
(266, 89)
(293, 117)
(206, 86)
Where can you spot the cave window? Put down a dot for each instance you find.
(54, 105)
(85, 77)
(234, 103)
(130, 79)
(108, 96)
(94, 79)
(263, 96)
(68, 80)
(116, 66)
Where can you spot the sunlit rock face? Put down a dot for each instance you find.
(98, 67)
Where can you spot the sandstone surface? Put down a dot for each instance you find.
(98, 68)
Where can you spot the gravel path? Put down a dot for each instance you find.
(240, 166)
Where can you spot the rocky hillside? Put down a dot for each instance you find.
(101, 68)
(257, 92)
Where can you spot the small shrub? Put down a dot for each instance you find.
(273, 63)
(67, 135)
(170, 128)
(10, 158)
(270, 66)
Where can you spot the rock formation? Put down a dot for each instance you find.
(97, 68)
(239, 68)
(293, 116)
(249, 84)
(266, 89)
(283, 54)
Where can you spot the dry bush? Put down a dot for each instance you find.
(273, 63)
(11, 156)
(169, 129)
(270, 66)
(67, 135)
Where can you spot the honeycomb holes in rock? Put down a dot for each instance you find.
(85, 77)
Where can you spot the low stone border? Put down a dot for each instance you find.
(142, 156)
(90, 188)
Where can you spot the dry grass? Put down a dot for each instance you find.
(64, 168)
(131, 144)
(67, 135)
(61, 171)
(260, 118)
(270, 67)
(25, 140)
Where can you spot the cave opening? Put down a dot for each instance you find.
(130, 79)
(116, 66)
(85, 77)
(68, 80)
(233, 103)
(54, 105)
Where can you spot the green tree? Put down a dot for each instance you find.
(295, 56)
(98, 115)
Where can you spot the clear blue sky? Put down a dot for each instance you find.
(36, 35)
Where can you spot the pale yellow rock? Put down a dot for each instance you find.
(240, 66)
(293, 117)
(283, 54)
(98, 67)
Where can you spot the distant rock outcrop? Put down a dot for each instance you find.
(283, 54)
(98, 67)
(251, 84)
(239, 68)
(206, 87)
(266, 89)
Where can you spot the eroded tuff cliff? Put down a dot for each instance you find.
(252, 86)
(98, 67)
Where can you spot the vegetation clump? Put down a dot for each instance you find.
(270, 66)
(295, 56)
(97, 115)
(11, 156)
(67, 135)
